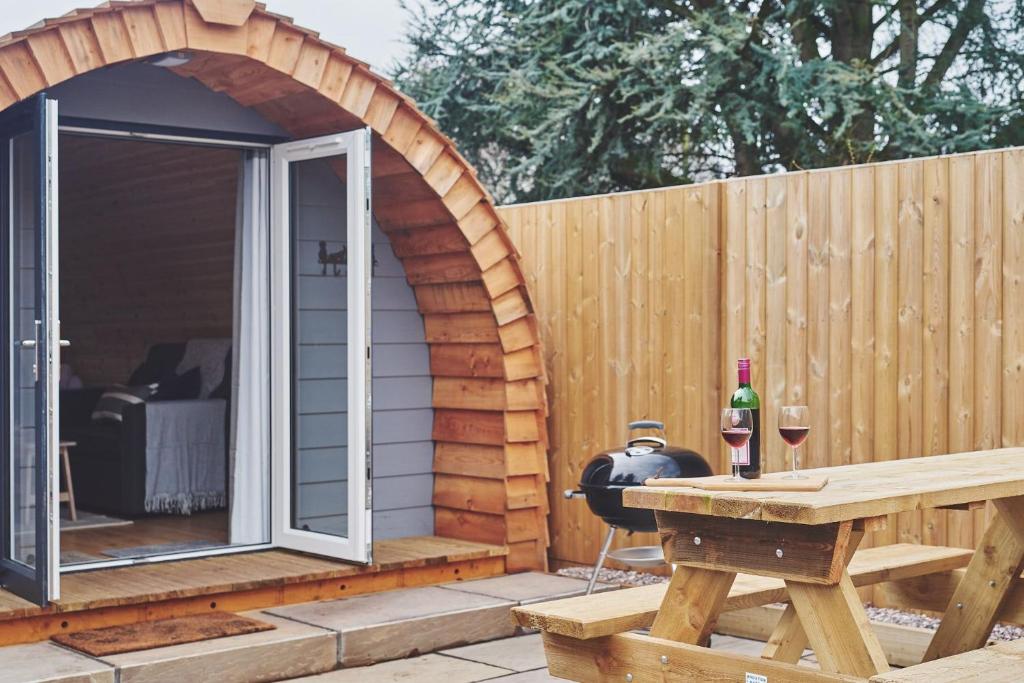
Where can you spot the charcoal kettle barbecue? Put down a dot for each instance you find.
(609, 472)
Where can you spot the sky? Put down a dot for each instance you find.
(370, 30)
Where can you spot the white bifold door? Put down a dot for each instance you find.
(321, 265)
(30, 558)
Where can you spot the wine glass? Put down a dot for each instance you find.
(736, 426)
(794, 425)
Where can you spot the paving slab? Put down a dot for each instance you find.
(535, 676)
(522, 653)
(432, 667)
(382, 626)
(49, 663)
(290, 650)
(527, 587)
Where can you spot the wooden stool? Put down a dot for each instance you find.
(69, 495)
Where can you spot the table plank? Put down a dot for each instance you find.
(857, 491)
(790, 551)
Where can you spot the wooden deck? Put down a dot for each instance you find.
(240, 581)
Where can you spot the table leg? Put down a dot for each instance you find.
(692, 603)
(789, 640)
(836, 624)
(991, 575)
(66, 461)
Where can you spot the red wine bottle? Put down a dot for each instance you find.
(746, 397)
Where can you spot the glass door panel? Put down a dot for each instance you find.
(29, 564)
(319, 347)
(322, 267)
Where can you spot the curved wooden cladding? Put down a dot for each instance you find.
(489, 396)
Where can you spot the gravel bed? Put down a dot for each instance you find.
(619, 577)
(887, 615)
(884, 615)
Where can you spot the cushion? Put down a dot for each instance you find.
(161, 361)
(223, 390)
(114, 400)
(184, 387)
(208, 355)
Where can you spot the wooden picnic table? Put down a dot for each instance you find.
(807, 539)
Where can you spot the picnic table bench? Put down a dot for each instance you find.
(734, 549)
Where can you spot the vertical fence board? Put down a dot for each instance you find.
(773, 394)
(839, 412)
(735, 301)
(935, 359)
(796, 295)
(961, 317)
(816, 450)
(886, 315)
(862, 313)
(911, 302)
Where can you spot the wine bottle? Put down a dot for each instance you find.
(746, 397)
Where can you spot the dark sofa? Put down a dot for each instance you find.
(108, 465)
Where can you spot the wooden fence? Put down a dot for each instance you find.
(887, 297)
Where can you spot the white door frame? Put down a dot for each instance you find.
(355, 145)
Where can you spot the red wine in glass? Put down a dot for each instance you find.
(794, 436)
(736, 426)
(794, 424)
(736, 437)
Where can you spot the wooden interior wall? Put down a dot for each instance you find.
(146, 249)
(887, 297)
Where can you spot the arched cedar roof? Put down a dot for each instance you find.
(489, 399)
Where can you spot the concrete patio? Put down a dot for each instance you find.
(390, 636)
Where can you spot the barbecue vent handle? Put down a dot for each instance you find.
(570, 494)
(646, 424)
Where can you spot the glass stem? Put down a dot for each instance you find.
(794, 460)
(735, 463)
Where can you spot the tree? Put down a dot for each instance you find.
(554, 98)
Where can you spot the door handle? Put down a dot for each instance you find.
(34, 345)
(65, 343)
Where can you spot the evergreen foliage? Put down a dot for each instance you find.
(555, 98)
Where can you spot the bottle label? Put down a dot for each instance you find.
(741, 456)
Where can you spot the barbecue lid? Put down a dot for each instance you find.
(641, 458)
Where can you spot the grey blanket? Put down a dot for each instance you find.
(185, 456)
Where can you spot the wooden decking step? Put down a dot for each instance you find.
(382, 626)
(49, 663)
(290, 650)
(614, 612)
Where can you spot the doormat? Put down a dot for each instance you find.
(91, 520)
(162, 548)
(147, 635)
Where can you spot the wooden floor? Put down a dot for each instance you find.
(241, 581)
(209, 527)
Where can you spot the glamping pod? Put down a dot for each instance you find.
(269, 301)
